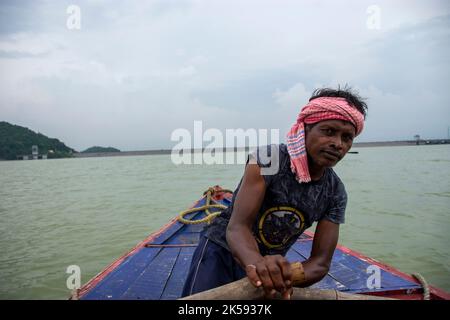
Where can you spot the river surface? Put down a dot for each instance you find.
(89, 211)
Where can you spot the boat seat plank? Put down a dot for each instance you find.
(328, 282)
(117, 282)
(152, 280)
(194, 227)
(293, 256)
(175, 283)
(184, 238)
(388, 281)
(353, 273)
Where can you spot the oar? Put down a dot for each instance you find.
(244, 290)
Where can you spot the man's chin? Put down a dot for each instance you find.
(325, 162)
(329, 163)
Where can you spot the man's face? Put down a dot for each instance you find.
(328, 141)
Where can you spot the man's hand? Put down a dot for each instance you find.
(273, 273)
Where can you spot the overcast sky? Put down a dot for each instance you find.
(137, 70)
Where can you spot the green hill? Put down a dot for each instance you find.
(97, 149)
(16, 141)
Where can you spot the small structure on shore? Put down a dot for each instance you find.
(34, 154)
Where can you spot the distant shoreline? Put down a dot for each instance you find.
(169, 151)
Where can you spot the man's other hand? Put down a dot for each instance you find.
(273, 273)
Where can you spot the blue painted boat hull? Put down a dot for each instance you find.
(157, 268)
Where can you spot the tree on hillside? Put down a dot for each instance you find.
(16, 141)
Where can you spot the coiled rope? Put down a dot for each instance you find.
(425, 286)
(209, 215)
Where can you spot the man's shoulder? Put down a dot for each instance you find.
(335, 181)
(267, 154)
(283, 148)
(269, 148)
(333, 175)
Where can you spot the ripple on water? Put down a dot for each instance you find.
(92, 211)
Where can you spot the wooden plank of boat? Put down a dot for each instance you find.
(157, 267)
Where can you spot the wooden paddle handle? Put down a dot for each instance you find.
(298, 274)
(244, 290)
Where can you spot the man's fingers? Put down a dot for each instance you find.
(253, 275)
(287, 294)
(286, 271)
(270, 294)
(273, 274)
(264, 275)
(277, 277)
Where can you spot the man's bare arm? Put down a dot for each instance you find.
(324, 244)
(272, 272)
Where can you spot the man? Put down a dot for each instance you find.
(269, 212)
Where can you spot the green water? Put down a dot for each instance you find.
(88, 212)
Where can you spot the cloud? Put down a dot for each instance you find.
(293, 96)
(136, 71)
(402, 116)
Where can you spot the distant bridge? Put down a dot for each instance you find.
(168, 151)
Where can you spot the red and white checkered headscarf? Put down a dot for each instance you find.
(319, 109)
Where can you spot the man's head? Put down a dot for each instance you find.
(324, 130)
(328, 141)
(347, 93)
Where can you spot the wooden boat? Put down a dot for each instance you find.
(157, 267)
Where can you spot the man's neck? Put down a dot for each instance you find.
(316, 172)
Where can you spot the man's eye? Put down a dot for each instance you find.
(328, 131)
(348, 138)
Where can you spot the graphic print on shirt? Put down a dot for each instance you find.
(278, 225)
